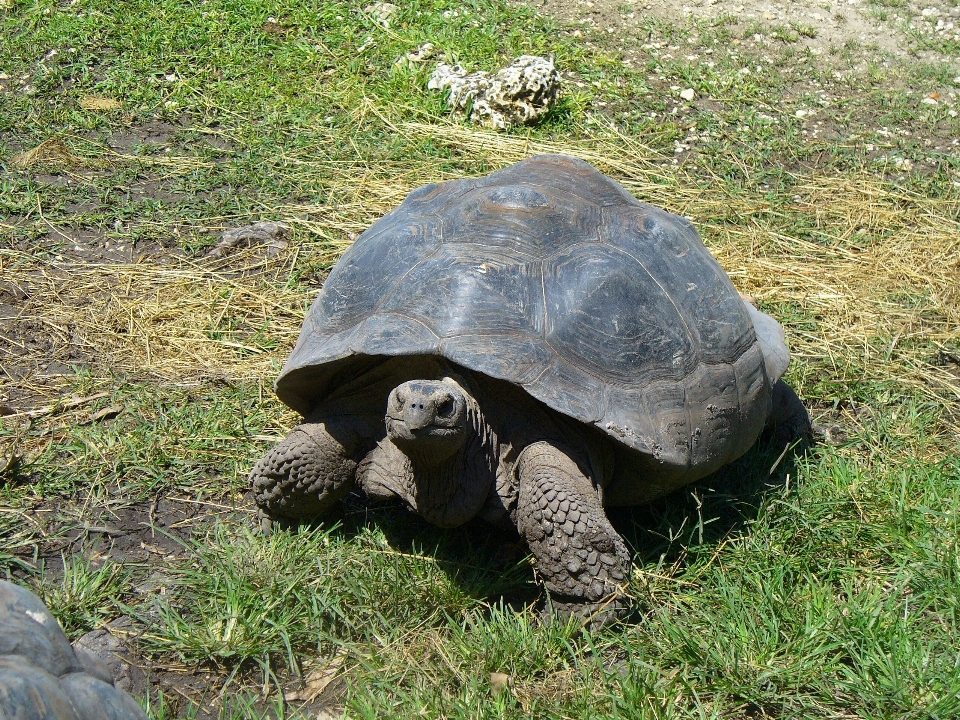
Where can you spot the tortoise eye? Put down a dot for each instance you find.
(446, 407)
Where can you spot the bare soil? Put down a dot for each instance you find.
(822, 24)
(145, 537)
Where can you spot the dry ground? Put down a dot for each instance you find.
(818, 25)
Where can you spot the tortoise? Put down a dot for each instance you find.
(44, 677)
(531, 348)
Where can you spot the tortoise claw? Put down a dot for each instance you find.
(269, 524)
(592, 615)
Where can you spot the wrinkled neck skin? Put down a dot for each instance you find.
(446, 488)
(452, 491)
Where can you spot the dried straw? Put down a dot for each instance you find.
(879, 280)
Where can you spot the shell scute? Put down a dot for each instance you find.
(465, 289)
(609, 316)
(500, 356)
(355, 287)
(690, 278)
(497, 218)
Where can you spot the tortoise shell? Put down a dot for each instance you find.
(551, 276)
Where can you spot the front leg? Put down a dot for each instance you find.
(309, 470)
(583, 561)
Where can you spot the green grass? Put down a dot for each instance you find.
(85, 595)
(828, 586)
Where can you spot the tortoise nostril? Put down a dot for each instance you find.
(446, 407)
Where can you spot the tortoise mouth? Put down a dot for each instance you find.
(401, 433)
(431, 445)
(427, 418)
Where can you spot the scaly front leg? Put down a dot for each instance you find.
(309, 470)
(583, 561)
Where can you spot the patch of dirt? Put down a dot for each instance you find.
(157, 133)
(124, 532)
(145, 537)
(817, 24)
(855, 39)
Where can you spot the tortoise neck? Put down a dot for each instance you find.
(452, 491)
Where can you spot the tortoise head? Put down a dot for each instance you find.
(427, 419)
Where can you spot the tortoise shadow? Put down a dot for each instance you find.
(715, 508)
(492, 564)
(488, 563)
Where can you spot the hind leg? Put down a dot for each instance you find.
(308, 471)
(789, 418)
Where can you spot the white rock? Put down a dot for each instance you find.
(381, 12)
(519, 93)
(422, 53)
(688, 94)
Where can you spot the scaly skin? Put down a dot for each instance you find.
(439, 452)
(581, 558)
(308, 471)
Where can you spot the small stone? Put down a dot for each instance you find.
(274, 235)
(499, 682)
(422, 53)
(381, 12)
(688, 94)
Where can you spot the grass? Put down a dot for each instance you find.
(138, 370)
(85, 595)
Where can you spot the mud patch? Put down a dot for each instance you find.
(155, 134)
(145, 538)
(814, 24)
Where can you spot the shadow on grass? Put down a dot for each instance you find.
(717, 507)
(492, 564)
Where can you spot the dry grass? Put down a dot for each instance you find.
(52, 152)
(880, 282)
